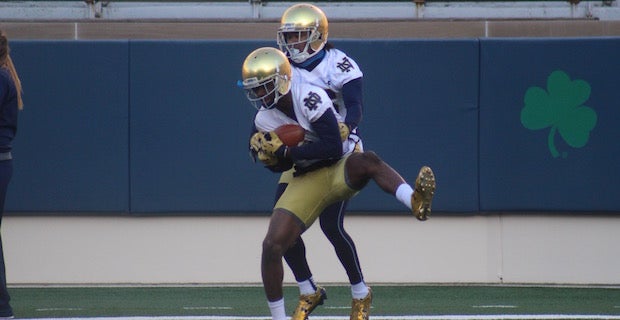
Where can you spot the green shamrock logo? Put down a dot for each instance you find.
(560, 108)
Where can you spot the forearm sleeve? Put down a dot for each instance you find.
(353, 101)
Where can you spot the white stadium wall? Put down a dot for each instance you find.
(541, 249)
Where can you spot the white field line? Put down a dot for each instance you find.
(59, 309)
(490, 306)
(207, 308)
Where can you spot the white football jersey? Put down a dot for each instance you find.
(309, 104)
(333, 72)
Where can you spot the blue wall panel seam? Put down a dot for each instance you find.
(129, 168)
(479, 122)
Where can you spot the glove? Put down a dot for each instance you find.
(255, 145)
(344, 131)
(255, 141)
(272, 145)
(257, 151)
(267, 159)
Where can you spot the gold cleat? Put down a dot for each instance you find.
(422, 197)
(360, 308)
(308, 302)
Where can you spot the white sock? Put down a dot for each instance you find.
(307, 287)
(277, 309)
(359, 290)
(403, 194)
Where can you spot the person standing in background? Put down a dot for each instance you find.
(10, 103)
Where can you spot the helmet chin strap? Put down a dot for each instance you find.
(298, 56)
(310, 60)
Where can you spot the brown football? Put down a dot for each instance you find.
(291, 134)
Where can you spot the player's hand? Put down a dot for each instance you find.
(255, 142)
(257, 151)
(267, 159)
(344, 131)
(255, 145)
(272, 145)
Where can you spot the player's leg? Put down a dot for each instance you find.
(360, 168)
(279, 191)
(283, 229)
(295, 256)
(363, 166)
(302, 195)
(332, 224)
(310, 294)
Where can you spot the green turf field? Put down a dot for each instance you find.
(390, 302)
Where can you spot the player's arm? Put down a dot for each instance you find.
(280, 166)
(352, 94)
(329, 145)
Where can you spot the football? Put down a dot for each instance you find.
(291, 134)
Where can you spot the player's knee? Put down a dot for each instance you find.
(272, 249)
(361, 167)
(371, 159)
(331, 230)
(331, 219)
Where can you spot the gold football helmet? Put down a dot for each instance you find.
(266, 75)
(302, 24)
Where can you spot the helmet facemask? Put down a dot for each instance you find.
(272, 85)
(310, 37)
(266, 75)
(305, 21)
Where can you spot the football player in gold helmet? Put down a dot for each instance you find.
(303, 35)
(303, 32)
(268, 72)
(325, 169)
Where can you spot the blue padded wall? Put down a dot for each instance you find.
(189, 129)
(71, 147)
(197, 124)
(421, 108)
(518, 170)
(161, 127)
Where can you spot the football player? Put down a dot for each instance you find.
(302, 36)
(325, 168)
